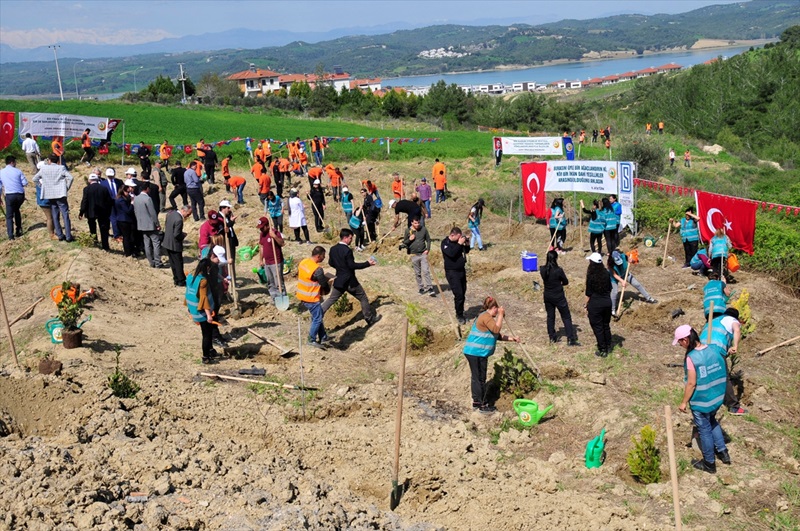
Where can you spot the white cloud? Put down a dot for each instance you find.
(34, 38)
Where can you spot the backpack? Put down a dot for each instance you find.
(192, 298)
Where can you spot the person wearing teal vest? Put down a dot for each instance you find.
(558, 225)
(690, 235)
(704, 389)
(597, 225)
(480, 344)
(347, 202)
(715, 291)
(200, 302)
(612, 225)
(617, 268)
(718, 249)
(726, 332)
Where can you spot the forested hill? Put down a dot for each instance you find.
(465, 48)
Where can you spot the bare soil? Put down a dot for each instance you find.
(190, 452)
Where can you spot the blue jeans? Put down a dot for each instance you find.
(710, 434)
(317, 330)
(476, 237)
(318, 157)
(439, 196)
(61, 206)
(240, 192)
(427, 203)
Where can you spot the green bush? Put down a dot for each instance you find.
(120, 384)
(644, 459)
(342, 306)
(421, 338)
(648, 154)
(514, 376)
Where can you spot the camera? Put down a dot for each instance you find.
(401, 247)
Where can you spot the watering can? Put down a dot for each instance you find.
(649, 241)
(529, 412)
(595, 451)
(54, 328)
(246, 253)
(262, 275)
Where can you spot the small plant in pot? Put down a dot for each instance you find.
(70, 309)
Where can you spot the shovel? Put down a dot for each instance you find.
(326, 230)
(397, 489)
(281, 300)
(690, 287)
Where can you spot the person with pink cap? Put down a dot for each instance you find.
(704, 390)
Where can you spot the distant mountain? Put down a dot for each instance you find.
(448, 48)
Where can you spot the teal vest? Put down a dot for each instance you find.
(598, 225)
(719, 335)
(192, 298)
(621, 269)
(719, 247)
(553, 221)
(474, 224)
(479, 344)
(347, 203)
(713, 291)
(689, 232)
(696, 260)
(275, 207)
(612, 220)
(711, 377)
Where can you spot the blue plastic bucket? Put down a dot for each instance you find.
(530, 262)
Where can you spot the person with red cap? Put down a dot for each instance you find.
(211, 227)
(271, 242)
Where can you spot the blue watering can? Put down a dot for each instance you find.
(529, 412)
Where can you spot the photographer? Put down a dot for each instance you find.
(417, 243)
(454, 250)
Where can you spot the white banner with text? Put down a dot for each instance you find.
(66, 125)
(596, 176)
(532, 145)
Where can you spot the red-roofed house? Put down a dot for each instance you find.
(711, 61)
(594, 82)
(671, 67)
(610, 80)
(364, 84)
(627, 76)
(256, 81)
(647, 72)
(337, 80)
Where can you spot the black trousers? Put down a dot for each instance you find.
(599, 311)
(147, 167)
(360, 242)
(207, 330)
(611, 239)
(279, 183)
(175, 193)
(297, 233)
(128, 244)
(458, 285)
(319, 216)
(477, 369)
(105, 225)
(550, 305)
(596, 239)
(730, 400)
(561, 237)
(198, 203)
(689, 250)
(176, 264)
(210, 169)
(373, 233)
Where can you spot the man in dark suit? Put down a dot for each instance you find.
(112, 185)
(341, 259)
(96, 205)
(173, 242)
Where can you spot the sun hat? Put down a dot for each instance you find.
(392, 202)
(110, 172)
(219, 251)
(130, 171)
(595, 257)
(129, 182)
(225, 204)
(681, 332)
(316, 181)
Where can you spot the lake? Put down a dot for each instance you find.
(582, 70)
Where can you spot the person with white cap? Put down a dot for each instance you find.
(347, 202)
(229, 219)
(112, 186)
(617, 268)
(704, 390)
(216, 284)
(408, 207)
(96, 205)
(317, 197)
(598, 303)
(297, 217)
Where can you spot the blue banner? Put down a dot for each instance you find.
(569, 148)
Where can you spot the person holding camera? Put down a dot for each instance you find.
(417, 243)
(454, 250)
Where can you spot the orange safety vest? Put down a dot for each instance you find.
(165, 151)
(200, 151)
(58, 147)
(304, 159)
(439, 166)
(307, 289)
(266, 148)
(259, 153)
(264, 183)
(315, 146)
(315, 173)
(397, 189)
(225, 170)
(86, 141)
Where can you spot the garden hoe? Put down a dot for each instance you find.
(397, 489)
(690, 287)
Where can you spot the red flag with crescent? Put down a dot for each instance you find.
(6, 129)
(534, 175)
(737, 217)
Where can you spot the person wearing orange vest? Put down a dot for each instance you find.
(397, 187)
(314, 174)
(660, 128)
(237, 183)
(303, 160)
(201, 150)
(266, 150)
(336, 181)
(311, 282)
(86, 144)
(440, 184)
(648, 128)
(438, 167)
(264, 185)
(687, 159)
(226, 171)
(316, 150)
(258, 153)
(58, 149)
(294, 149)
(164, 153)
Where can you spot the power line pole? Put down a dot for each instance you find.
(182, 79)
(58, 72)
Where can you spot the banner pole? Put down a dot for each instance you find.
(123, 144)
(519, 195)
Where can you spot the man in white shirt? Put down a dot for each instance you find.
(31, 149)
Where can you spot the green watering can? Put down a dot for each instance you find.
(262, 275)
(529, 412)
(246, 253)
(595, 451)
(54, 329)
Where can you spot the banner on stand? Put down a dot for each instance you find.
(45, 124)
(532, 145)
(627, 170)
(599, 177)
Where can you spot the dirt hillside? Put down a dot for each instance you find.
(189, 452)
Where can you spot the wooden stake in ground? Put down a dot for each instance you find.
(762, 352)
(302, 377)
(397, 490)
(673, 469)
(510, 209)
(666, 247)
(248, 380)
(524, 350)
(283, 350)
(8, 328)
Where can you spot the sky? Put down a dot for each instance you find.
(33, 23)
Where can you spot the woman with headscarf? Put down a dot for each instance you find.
(612, 225)
(317, 196)
(297, 217)
(597, 225)
(598, 303)
(554, 280)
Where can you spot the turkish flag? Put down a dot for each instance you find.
(534, 175)
(737, 217)
(7, 123)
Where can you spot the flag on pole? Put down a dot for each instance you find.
(569, 148)
(7, 124)
(534, 175)
(737, 217)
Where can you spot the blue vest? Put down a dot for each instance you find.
(598, 225)
(711, 376)
(719, 335)
(612, 220)
(192, 298)
(713, 291)
(480, 344)
(719, 247)
(275, 207)
(696, 262)
(553, 221)
(474, 224)
(347, 203)
(689, 232)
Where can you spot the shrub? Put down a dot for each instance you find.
(421, 338)
(745, 316)
(120, 384)
(86, 239)
(71, 305)
(342, 306)
(644, 459)
(512, 375)
(648, 154)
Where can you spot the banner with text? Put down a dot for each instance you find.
(627, 172)
(596, 176)
(44, 124)
(532, 145)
